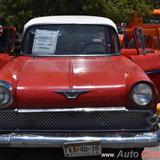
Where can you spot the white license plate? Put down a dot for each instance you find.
(80, 149)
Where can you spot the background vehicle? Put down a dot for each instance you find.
(7, 38)
(152, 20)
(151, 27)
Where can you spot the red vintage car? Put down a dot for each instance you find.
(70, 88)
(151, 27)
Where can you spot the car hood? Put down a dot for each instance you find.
(41, 80)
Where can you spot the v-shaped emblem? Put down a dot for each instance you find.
(72, 93)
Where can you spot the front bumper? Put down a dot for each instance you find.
(108, 140)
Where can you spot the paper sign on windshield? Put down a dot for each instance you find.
(45, 42)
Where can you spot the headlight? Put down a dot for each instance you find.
(142, 94)
(5, 95)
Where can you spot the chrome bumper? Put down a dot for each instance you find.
(108, 140)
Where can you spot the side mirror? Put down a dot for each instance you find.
(7, 38)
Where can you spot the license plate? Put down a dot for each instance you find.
(80, 149)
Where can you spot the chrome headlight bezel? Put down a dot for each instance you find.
(7, 91)
(142, 94)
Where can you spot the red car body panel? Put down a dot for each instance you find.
(4, 59)
(142, 61)
(36, 80)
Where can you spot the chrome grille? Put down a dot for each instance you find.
(75, 121)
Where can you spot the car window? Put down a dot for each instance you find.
(5, 35)
(153, 19)
(70, 39)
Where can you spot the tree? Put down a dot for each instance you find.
(15, 11)
(124, 9)
(18, 12)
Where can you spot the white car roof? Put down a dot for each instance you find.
(70, 20)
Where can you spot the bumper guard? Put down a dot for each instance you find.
(108, 140)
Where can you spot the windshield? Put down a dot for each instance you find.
(139, 38)
(72, 39)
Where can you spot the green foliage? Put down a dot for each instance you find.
(18, 12)
(128, 8)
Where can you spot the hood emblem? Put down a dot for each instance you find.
(72, 93)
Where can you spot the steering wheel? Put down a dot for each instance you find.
(92, 43)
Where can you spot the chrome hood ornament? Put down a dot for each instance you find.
(72, 93)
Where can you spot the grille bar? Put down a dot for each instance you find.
(76, 121)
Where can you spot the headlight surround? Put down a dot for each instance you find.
(5, 94)
(142, 94)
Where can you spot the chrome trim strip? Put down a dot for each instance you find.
(6, 85)
(157, 71)
(57, 140)
(69, 55)
(72, 109)
(71, 93)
